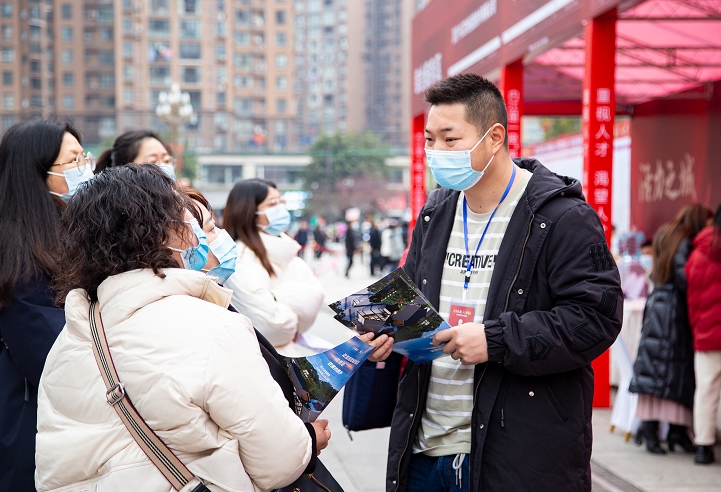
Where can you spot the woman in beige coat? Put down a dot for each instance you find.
(193, 369)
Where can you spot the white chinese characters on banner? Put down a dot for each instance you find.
(665, 182)
(513, 98)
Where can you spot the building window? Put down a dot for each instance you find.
(35, 66)
(36, 84)
(106, 34)
(128, 73)
(220, 52)
(8, 121)
(159, 6)
(159, 52)
(221, 122)
(106, 57)
(88, 36)
(242, 17)
(7, 32)
(243, 62)
(189, 6)
(195, 99)
(105, 15)
(241, 38)
(281, 61)
(281, 83)
(8, 55)
(66, 56)
(68, 101)
(189, 51)
(8, 78)
(68, 79)
(107, 80)
(35, 32)
(280, 39)
(190, 75)
(36, 100)
(280, 105)
(107, 101)
(8, 101)
(221, 98)
(160, 76)
(243, 82)
(67, 11)
(127, 26)
(66, 34)
(6, 9)
(221, 29)
(128, 96)
(280, 17)
(127, 50)
(189, 29)
(158, 28)
(243, 106)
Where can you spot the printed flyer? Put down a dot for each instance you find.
(318, 378)
(396, 307)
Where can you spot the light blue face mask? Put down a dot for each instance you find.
(168, 169)
(278, 219)
(226, 252)
(452, 168)
(73, 178)
(195, 257)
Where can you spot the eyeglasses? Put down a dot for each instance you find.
(83, 159)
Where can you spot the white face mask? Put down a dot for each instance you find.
(73, 178)
(452, 168)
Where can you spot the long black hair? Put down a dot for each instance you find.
(125, 149)
(29, 216)
(121, 220)
(239, 216)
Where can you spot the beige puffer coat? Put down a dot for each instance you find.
(195, 373)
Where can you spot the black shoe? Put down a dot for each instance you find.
(677, 434)
(648, 431)
(704, 455)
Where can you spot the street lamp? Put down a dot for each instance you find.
(174, 108)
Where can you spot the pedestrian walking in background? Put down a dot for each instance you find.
(703, 273)
(138, 146)
(192, 369)
(275, 288)
(663, 371)
(42, 164)
(301, 237)
(374, 241)
(392, 245)
(531, 304)
(352, 242)
(320, 237)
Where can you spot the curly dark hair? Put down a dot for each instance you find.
(121, 220)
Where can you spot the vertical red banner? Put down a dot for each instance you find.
(418, 168)
(599, 113)
(511, 87)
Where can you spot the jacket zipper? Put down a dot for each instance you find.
(520, 262)
(408, 437)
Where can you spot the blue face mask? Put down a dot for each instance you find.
(73, 178)
(168, 169)
(195, 257)
(452, 168)
(278, 220)
(225, 251)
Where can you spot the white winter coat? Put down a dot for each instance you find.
(282, 305)
(195, 373)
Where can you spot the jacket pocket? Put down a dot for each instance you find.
(554, 401)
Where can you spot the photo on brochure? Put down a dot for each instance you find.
(394, 306)
(318, 378)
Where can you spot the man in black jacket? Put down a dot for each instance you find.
(516, 260)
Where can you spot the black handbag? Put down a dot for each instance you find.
(319, 481)
(370, 395)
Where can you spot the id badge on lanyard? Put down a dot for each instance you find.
(464, 310)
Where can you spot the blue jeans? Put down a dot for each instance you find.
(437, 474)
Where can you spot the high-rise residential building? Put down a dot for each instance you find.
(352, 64)
(104, 63)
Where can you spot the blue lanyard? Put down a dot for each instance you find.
(465, 231)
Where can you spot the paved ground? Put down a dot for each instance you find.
(618, 466)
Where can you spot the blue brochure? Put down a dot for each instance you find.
(396, 307)
(318, 378)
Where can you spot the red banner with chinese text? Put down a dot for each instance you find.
(418, 168)
(511, 87)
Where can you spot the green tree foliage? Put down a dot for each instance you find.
(555, 127)
(350, 154)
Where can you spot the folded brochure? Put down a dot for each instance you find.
(396, 307)
(318, 378)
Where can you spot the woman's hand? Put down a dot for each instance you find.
(322, 434)
(383, 346)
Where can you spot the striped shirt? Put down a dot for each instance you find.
(446, 424)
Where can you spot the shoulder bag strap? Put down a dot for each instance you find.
(162, 457)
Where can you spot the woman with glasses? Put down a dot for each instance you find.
(41, 166)
(271, 285)
(139, 146)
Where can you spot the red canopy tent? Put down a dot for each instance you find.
(658, 61)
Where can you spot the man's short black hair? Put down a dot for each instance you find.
(483, 101)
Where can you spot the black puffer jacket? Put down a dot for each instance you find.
(554, 304)
(664, 365)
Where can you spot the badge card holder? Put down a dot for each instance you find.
(462, 311)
